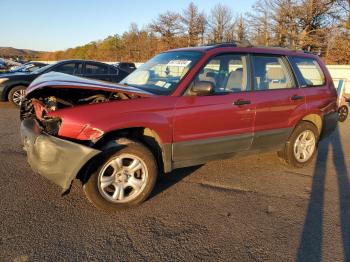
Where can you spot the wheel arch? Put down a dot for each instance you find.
(147, 136)
(316, 120)
(10, 87)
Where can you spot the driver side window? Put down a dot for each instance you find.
(227, 73)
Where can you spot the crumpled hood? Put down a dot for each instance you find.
(60, 80)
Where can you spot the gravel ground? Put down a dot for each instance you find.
(250, 208)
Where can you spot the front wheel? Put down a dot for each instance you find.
(343, 113)
(301, 147)
(17, 94)
(123, 180)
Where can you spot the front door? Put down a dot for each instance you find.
(218, 124)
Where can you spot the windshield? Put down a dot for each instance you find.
(162, 74)
(42, 69)
(27, 67)
(19, 68)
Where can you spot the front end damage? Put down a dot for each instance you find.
(56, 156)
(56, 159)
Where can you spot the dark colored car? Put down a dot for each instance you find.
(26, 68)
(182, 108)
(126, 66)
(13, 86)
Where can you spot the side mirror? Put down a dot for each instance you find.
(202, 87)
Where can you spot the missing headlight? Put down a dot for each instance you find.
(51, 125)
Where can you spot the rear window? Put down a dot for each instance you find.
(308, 71)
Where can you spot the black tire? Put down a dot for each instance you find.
(343, 113)
(92, 189)
(288, 155)
(13, 95)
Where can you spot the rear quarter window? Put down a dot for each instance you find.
(308, 72)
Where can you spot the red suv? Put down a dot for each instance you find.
(183, 107)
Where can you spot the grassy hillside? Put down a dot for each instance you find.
(8, 52)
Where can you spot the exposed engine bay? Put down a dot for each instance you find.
(37, 104)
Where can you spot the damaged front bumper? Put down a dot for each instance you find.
(56, 159)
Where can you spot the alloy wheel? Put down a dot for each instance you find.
(122, 178)
(304, 146)
(18, 96)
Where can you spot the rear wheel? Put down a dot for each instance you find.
(301, 146)
(17, 94)
(123, 180)
(343, 113)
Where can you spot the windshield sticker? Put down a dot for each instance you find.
(160, 83)
(180, 63)
(167, 85)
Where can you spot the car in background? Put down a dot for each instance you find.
(13, 86)
(3, 65)
(25, 68)
(126, 66)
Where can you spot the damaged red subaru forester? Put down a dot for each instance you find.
(182, 108)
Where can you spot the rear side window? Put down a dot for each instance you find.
(271, 72)
(308, 71)
(69, 68)
(113, 70)
(94, 69)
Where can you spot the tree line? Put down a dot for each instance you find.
(319, 26)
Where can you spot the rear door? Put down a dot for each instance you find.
(318, 89)
(211, 126)
(279, 101)
(312, 81)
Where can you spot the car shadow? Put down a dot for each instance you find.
(310, 247)
(168, 180)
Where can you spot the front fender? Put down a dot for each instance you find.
(154, 113)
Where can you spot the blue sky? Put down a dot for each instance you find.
(59, 24)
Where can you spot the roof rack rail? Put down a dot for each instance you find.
(234, 43)
(277, 47)
(246, 43)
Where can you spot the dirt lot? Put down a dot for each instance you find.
(245, 209)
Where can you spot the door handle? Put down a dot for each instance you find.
(296, 97)
(240, 102)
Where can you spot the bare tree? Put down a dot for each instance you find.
(195, 24)
(314, 18)
(241, 29)
(219, 22)
(260, 22)
(202, 27)
(343, 13)
(168, 25)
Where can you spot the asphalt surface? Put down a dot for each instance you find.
(250, 208)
